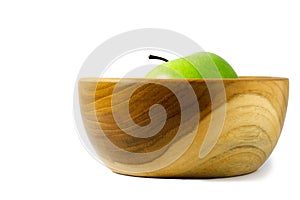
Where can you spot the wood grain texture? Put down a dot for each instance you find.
(255, 109)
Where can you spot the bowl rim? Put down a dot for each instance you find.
(240, 78)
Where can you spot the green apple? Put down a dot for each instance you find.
(198, 65)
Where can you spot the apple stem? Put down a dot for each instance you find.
(157, 57)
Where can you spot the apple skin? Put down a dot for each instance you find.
(198, 65)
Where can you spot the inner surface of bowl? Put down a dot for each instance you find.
(183, 127)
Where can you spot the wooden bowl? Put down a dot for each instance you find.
(250, 111)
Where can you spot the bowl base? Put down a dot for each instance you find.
(183, 176)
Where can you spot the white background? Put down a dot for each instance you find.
(42, 47)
